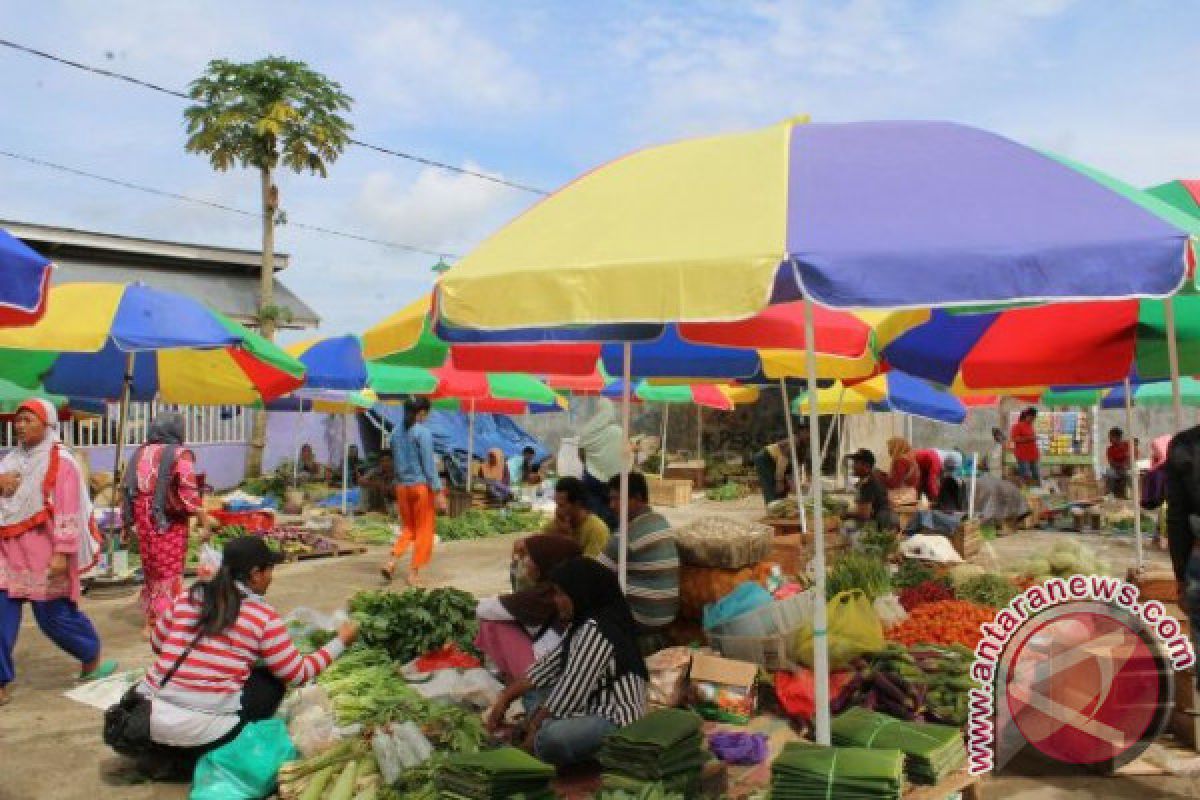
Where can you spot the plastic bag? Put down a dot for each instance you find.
(745, 597)
(853, 629)
(399, 746)
(470, 687)
(568, 463)
(668, 670)
(303, 621)
(207, 562)
(796, 691)
(312, 731)
(245, 768)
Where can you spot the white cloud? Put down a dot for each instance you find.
(432, 63)
(440, 210)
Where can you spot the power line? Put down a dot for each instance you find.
(219, 206)
(107, 73)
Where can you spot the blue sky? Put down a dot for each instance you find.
(539, 91)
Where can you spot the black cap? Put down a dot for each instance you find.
(864, 455)
(245, 553)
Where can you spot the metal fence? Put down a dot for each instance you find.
(205, 425)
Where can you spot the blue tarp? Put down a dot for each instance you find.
(449, 430)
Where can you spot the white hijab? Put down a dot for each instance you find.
(29, 501)
(602, 442)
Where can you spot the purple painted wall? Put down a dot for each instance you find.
(223, 465)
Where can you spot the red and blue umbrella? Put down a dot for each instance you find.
(24, 282)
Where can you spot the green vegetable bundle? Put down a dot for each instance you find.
(987, 589)
(931, 751)
(416, 621)
(480, 524)
(727, 492)
(859, 571)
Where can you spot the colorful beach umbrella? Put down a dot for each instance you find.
(858, 215)
(177, 349)
(1146, 395)
(893, 391)
(24, 282)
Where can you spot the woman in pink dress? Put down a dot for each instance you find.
(161, 494)
(46, 542)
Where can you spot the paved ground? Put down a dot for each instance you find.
(50, 747)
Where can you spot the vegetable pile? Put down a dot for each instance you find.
(927, 592)
(945, 622)
(728, 492)
(371, 529)
(858, 571)
(1067, 557)
(936, 677)
(347, 771)
(416, 621)
(480, 524)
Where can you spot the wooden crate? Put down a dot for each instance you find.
(668, 492)
(1185, 717)
(967, 540)
(686, 471)
(792, 552)
(1154, 584)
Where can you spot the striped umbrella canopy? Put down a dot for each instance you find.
(177, 349)
(892, 391)
(1150, 395)
(854, 215)
(24, 282)
(1183, 194)
(715, 396)
(12, 395)
(1062, 344)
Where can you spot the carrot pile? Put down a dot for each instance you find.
(943, 622)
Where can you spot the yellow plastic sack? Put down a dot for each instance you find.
(853, 630)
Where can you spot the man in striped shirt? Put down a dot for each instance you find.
(652, 570)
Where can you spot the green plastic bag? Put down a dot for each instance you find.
(853, 630)
(244, 769)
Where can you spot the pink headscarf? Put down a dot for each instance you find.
(1158, 450)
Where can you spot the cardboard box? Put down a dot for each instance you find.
(1154, 584)
(669, 493)
(722, 689)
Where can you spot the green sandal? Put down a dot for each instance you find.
(106, 668)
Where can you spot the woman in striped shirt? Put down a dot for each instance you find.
(594, 681)
(205, 685)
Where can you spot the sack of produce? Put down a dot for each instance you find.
(723, 542)
(852, 627)
(668, 670)
(702, 586)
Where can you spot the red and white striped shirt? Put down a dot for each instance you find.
(220, 665)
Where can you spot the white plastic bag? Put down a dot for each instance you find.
(477, 687)
(930, 547)
(312, 731)
(207, 562)
(397, 747)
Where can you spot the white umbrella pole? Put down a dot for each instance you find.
(1133, 477)
(792, 453)
(662, 445)
(974, 479)
(833, 423)
(345, 461)
(118, 467)
(1096, 440)
(296, 444)
(623, 507)
(700, 432)
(820, 635)
(470, 443)
(1173, 359)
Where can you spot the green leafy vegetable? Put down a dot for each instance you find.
(480, 524)
(859, 571)
(416, 621)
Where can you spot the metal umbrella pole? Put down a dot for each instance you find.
(1173, 360)
(345, 461)
(662, 445)
(470, 444)
(792, 452)
(1133, 476)
(820, 634)
(118, 446)
(623, 522)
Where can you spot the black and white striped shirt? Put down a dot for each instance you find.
(588, 685)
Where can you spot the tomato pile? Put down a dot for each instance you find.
(924, 592)
(943, 622)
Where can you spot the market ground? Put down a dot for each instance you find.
(50, 747)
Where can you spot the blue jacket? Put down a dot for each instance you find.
(412, 451)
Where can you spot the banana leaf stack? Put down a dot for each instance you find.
(665, 746)
(806, 771)
(931, 752)
(495, 775)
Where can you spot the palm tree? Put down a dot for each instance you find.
(261, 115)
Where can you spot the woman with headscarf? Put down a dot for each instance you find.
(602, 449)
(161, 494)
(47, 540)
(592, 683)
(903, 472)
(929, 467)
(494, 473)
(517, 629)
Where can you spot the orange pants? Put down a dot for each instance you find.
(415, 504)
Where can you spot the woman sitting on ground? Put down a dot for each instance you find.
(594, 681)
(224, 658)
(494, 473)
(519, 628)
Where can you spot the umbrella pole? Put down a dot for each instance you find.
(820, 640)
(700, 432)
(832, 424)
(1096, 440)
(345, 461)
(974, 479)
(118, 466)
(623, 522)
(470, 443)
(792, 454)
(1173, 360)
(662, 446)
(1133, 477)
